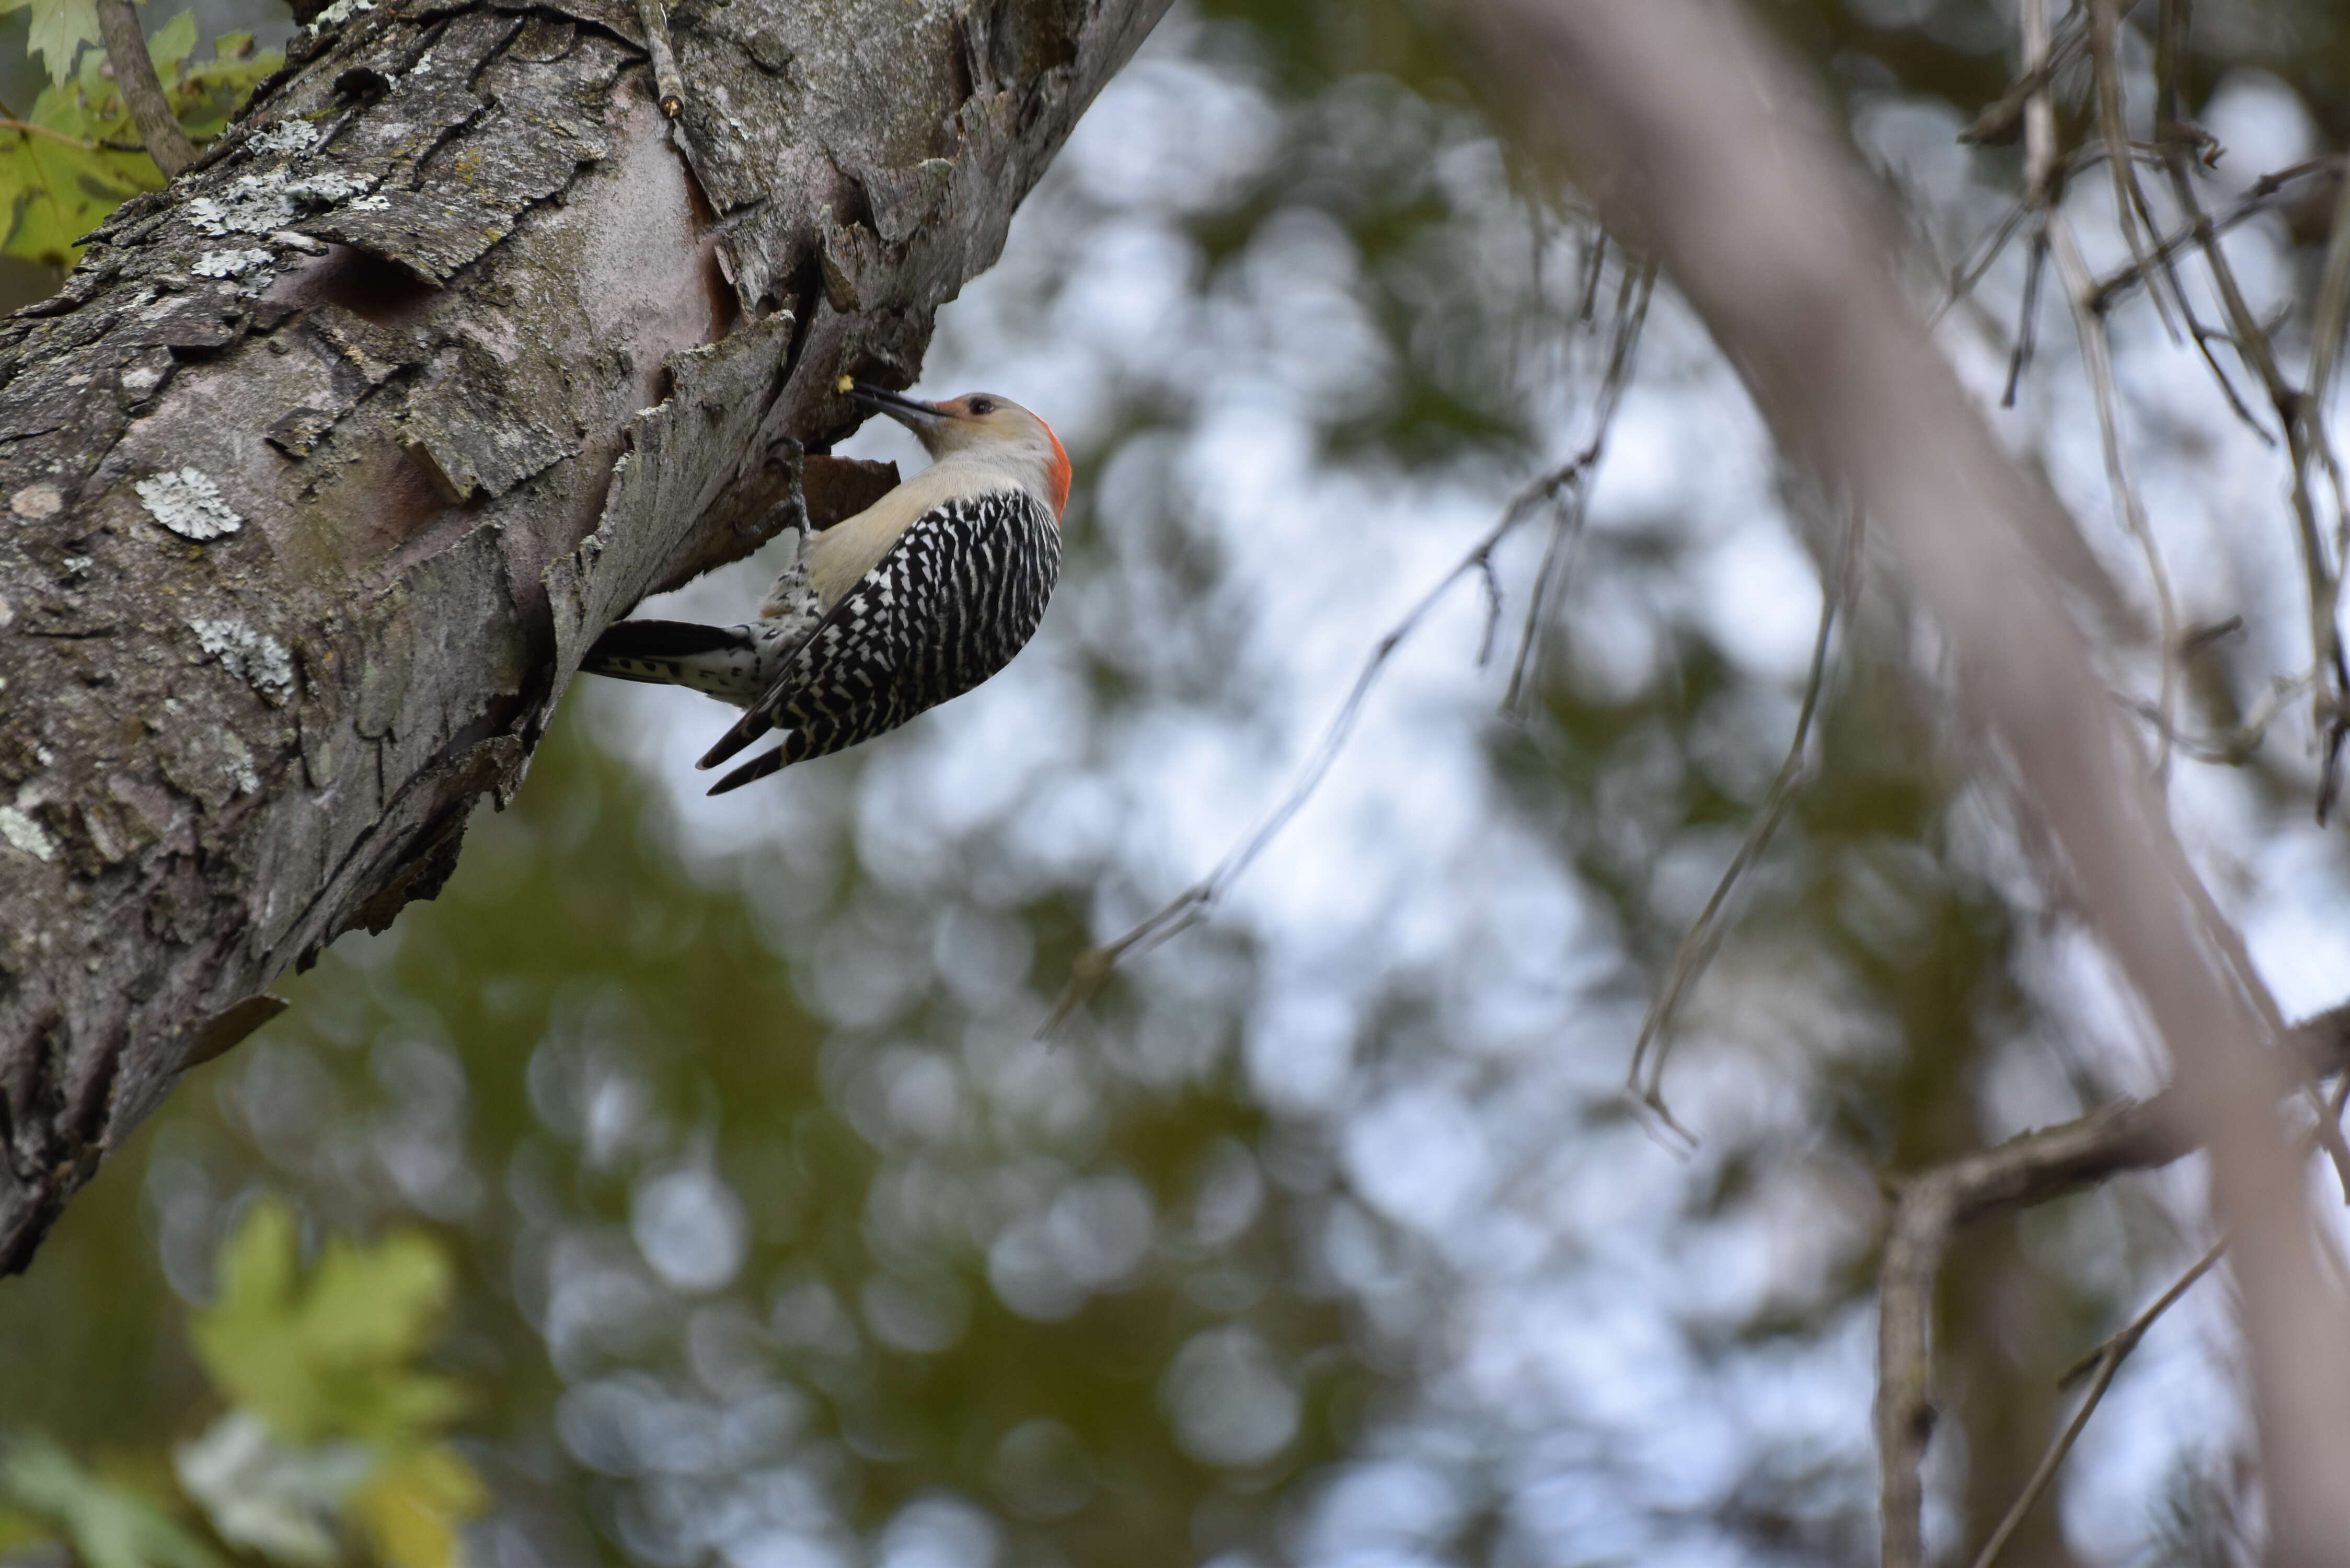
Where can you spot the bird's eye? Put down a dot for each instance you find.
(982, 406)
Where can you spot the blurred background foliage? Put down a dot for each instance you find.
(75, 156)
(709, 1192)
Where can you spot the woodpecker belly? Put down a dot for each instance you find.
(959, 593)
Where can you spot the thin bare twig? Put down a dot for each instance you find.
(2121, 1343)
(2329, 319)
(141, 89)
(1704, 937)
(2330, 314)
(26, 128)
(2106, 1360)
(652, 15)
(2027, 324)
(1567, 522)
(2129, 197)
(2098, 364)
(2039, 196)
(2305, 438)
(1595, 261)
(1999, 122)
(1093, 968)
(1964, 277)
(2262, 195)
(2231, 748)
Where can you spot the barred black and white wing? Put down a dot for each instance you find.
(959, 593)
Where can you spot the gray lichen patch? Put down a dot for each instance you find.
(27, 834)
(259, 204)
(286, 137)
(230, 263)
(255, 657)
(189, 504)
(341, 11)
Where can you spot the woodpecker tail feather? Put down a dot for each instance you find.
(723, 661)
(758, 722)
(758, 767)
(652, 641)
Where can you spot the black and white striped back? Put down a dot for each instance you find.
(959, 593)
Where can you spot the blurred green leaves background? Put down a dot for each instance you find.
(331, 1438)
(76, 156)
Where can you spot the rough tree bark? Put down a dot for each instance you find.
(328, 462)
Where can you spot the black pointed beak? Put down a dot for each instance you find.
(909, 412)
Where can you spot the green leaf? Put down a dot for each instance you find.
(170, 45)
(414, 1509)
(329, 1356)
(59, 29)
(209, 91)
(19, 1529)
(109, 1526)
(56, 188)
(268, 1497)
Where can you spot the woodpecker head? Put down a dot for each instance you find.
(983, 429)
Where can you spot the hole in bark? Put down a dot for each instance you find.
(362, 84)
(366, 286)
(805, 282)
(725, 305)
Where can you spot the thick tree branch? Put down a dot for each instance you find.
(141, 89)
(1930, 1207)
(329, 462)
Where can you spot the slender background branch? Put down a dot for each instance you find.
(1564, 493)
(141, 89)
(1703, 145)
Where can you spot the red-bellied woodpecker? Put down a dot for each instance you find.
(917, 599)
